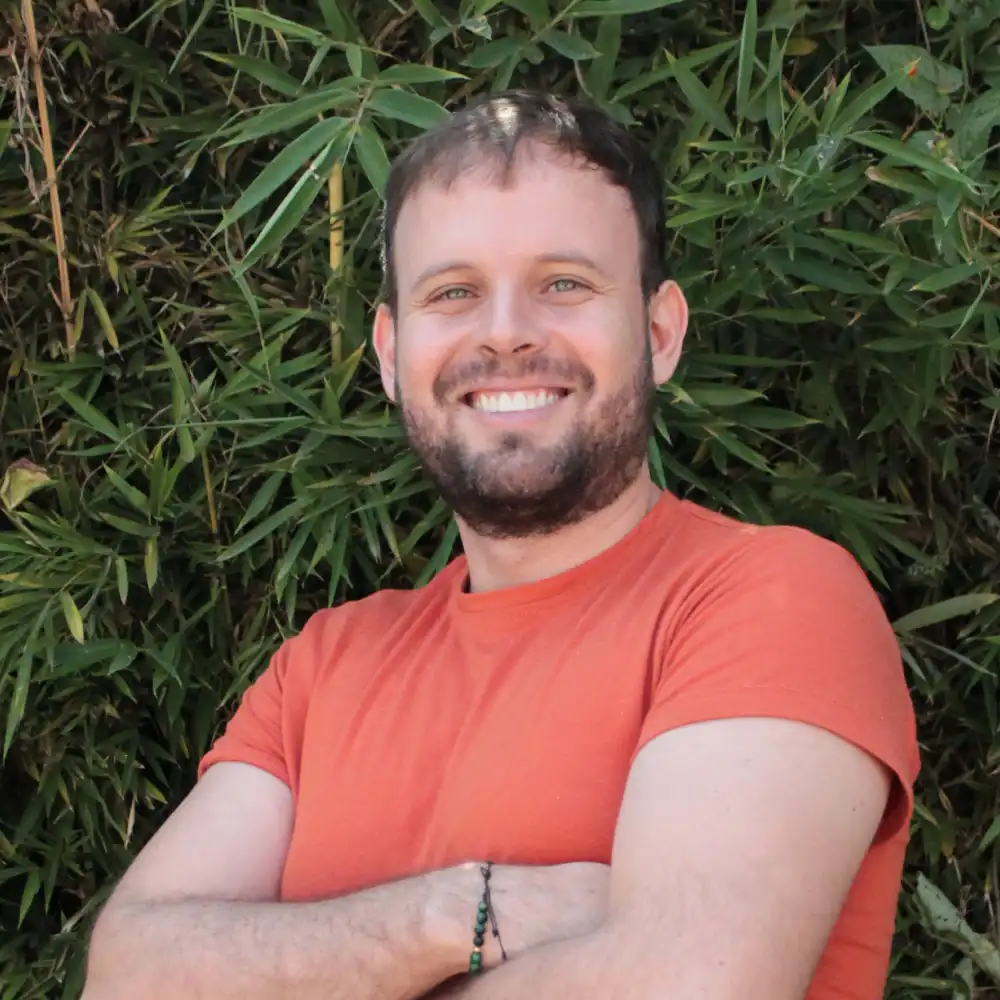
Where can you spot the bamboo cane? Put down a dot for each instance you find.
(335, 195)
(65, 298)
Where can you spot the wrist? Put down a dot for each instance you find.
(451, 915)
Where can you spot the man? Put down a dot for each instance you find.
(685, 743)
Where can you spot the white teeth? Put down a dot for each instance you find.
(512, 402)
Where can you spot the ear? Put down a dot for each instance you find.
(668, 320)
(384, 341)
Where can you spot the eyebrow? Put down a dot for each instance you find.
(559, 257)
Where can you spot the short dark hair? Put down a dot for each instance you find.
(493, 127)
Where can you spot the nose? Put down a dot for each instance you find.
(510, 328)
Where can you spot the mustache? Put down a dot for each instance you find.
(471, 373)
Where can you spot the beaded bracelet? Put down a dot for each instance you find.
(484, 912)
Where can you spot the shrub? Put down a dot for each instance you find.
(196, 453)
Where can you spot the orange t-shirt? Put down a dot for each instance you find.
(420, 729)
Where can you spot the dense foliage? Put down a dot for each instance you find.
(196, 454)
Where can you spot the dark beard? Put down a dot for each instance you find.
(585, 473)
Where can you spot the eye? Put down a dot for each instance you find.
(566, 285)
(454, 294)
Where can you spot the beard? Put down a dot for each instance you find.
(520, 490)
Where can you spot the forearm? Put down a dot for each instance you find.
(604, 963)
(392, 942)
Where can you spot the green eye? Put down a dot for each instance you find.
(565, 285)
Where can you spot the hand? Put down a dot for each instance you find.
(535, 906)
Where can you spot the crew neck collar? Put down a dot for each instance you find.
(586, 574)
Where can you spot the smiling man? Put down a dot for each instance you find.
(623, 747)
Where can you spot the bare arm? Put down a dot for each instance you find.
(197, 913)
(726, 872)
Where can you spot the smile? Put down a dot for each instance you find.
(514, 402)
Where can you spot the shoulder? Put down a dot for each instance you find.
(778, 562)
(329, 634)
(764, 596)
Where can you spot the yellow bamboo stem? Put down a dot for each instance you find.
(59, 235)
(335, 195)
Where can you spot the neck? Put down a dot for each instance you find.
(509, 562)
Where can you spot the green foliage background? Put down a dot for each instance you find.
(200, 455)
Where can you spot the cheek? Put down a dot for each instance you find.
(609, 341)
(420, 358)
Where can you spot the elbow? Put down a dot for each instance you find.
(108, 952)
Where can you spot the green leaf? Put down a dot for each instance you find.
(769, 418)
(742, 451)
(946, 277)
(103, 318)
(74, 622)
(333, 18)
(897, 150)
(822, 273)
(372, 157)
(536, 11)
(925, 80)
(427, 9)
(281, 118)
(945, 919)
(135, 497)
(748, 48)
(289, 160)
(607, 8)
(262, 498)
(260, 70)
(411, 73)
(128, 526)
(952, 607)
(699, 99)
(492, 54)
(571, 46)
(265, 528)
(15, 708)
(355, 60)
(711, 396)
(295, 204)
(90, 416)
(121, 573)
(31, 887)
(207, 7)
(860, 105)
(407, 107)
(151, 562)
(601, 71)
(280, 25)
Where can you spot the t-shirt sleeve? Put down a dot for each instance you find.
(268, 726)
(255, 733)
(786, 625)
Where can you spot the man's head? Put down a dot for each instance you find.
(526, 321)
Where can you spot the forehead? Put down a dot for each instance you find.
(487, 217)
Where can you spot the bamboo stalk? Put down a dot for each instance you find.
(65, 298)
(335, 196)
(209, 493)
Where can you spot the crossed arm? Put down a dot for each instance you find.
(737, 843)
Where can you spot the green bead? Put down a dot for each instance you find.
(483, 907)
(478, 940)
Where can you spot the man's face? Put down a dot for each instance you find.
(520, 350)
